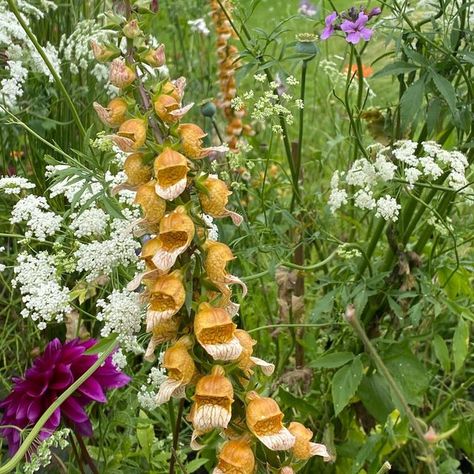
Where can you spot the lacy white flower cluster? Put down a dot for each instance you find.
(42, 456)
(148, 393)
(44, 299)
(100, 258)
(407, 163)
(273, 104)
(35, 212)
(89, 223)
(14, 184)
(122, 314)
(22, 55)
(199, 26)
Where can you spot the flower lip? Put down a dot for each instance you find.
(329, 28)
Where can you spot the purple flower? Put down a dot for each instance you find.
(356, 30)
(374, 12)
(51, 374)
(329, 29)
(307, 8)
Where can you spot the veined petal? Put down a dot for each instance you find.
(135, 283)
(237, 219)
(317, 449)
(281, 441)
(164, 260)
(195, 446)
(232, 308)
(267, 367)
(171, 192)
(153, 318)
(181, 111)
(227, 351)
(167, 390)
(208, 417)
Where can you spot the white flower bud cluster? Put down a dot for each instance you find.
(406, 163)
(44, 299)
(14, 184)
(122, 314)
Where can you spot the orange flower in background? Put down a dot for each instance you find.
(367, 71)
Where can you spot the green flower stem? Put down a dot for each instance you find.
(57, 79)
(19, 455)
(351, 318)
(371, 247)
(385, 468)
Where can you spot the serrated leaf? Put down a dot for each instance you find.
(332, 361)
(442, 352)
(460, 344)
(345, 384)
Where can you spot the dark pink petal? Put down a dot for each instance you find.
(35, 410)
(74, 411)
(92, 389)
(62, 378)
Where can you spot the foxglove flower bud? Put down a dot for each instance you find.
(169, 109)
(171, 170)
(264, 419)
(155, 57)
(131, 135)
(114, 114)
(104, 53)
(120, 75)
(215, 331)
(246, 361)
(131, 30)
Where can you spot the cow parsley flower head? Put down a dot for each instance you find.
(14, 184)
(34, 211)
(90, 222)
(44, 299)
(388, 208)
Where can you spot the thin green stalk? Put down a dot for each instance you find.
(371, 247)
(23, 449)
(385, 468)
(293, 325)
(57, 79)
(352, 319)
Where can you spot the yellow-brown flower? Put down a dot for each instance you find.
(114, 114)
(215, 199)
(180, 370)
(191, 141)
(103, 53)
(169, 109)
(303, 448)
(138, 172)
(235, 457)
(166, 331)
(176, 234)
(265, 421)
(171, 170)
(215, 264)
(213, 400)
(153, 207)
(121, 75)
(215, 331)
(167, 296)
(246, 361)
(131, 135)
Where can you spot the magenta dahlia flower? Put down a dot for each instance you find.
(51, 374)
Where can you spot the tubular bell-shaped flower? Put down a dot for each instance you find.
(192, 140)
(236, 457)
(215, 264)
(215, 331)
(215, 198)
(213, 400)
(180, 371)
(165, 331)
(114, 114)
(171, 170)
(153, 207)
(138, 172)
(264, 419)
(131, 135)
(167, 296)
(246, 361)
(121, 75)
(176, 234)
(304, 448)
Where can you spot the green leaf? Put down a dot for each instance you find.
(345, 383)
(332, 361)
(447, 90)
(195, 464)
(411, 101)
(460, 344)
(301, 405)
(102, 345)
(410, 374)
(442, 352)
(375, 396)
(145, 433)
(396, 68)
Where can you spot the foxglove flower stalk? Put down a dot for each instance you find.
(187, 284)
(51, 374)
